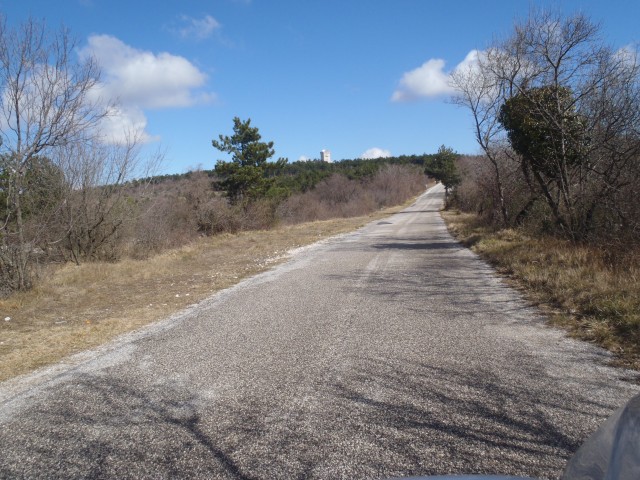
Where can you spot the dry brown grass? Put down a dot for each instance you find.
(78, 307)
(592, 292)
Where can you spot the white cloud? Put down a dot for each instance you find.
(470, 62)
(428, 80)
(197, 28)
(376, 152)
(137, 80)
(122, 123)
(303, 158)
(431, 79)
(142, 78)
(627, 54)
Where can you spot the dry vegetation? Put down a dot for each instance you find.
(76, 307)
(111, 257)
(591, 291)
(553, 200)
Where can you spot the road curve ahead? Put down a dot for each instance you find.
(390, 351)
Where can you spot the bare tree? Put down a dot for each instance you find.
(44, 104)
(582, 101)
(96, 205)
(479, 91)
(569, 107)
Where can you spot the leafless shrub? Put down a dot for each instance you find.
(329, 199)
(217, 215)
(338, 196)
(259, 215)
(477, 187)
(394, 184)
(97, 205)
(303, 207)
(168, 222)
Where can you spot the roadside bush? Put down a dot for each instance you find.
(260, 215)
(339, 197)
(144, 217)
(216, 215)
(394, 184)
(167, 222)
(479, 193)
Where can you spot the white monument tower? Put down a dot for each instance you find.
(325, 156)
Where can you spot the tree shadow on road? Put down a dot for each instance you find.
(371, 418)
(405, 245)
(438, 420)
(100, 427)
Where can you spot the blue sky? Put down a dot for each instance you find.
(345, 75)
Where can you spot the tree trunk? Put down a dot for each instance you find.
(22, 254)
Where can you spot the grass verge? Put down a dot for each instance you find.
(580, 287)
(75, 308)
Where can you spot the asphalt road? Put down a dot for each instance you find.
(390, 351)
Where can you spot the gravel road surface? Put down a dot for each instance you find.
(392, 351)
